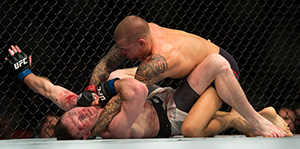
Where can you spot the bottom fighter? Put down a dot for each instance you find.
(155, 117)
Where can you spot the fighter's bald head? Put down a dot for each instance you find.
(132, 28)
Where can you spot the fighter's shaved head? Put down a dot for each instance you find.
(132, 28)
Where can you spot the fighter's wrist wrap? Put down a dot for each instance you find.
(20, 64)
(23, 74)
(111, 87)
(105, 91)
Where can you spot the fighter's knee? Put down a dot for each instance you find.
(186, 131)
(190, 131)
(218, 61)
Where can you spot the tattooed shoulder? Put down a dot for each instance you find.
(151, 70)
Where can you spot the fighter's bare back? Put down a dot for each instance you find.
(182, 51)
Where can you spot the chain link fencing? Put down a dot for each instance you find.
(67, 38)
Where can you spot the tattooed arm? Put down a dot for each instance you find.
(111, 109)
(150, 71)
(132, 96)
(106, 65)
(101, 73)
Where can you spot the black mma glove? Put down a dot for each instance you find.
(105, 91)
(85, 99)
(20, 64)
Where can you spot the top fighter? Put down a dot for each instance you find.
(147, 119)
(177, 54)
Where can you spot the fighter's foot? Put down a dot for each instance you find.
(270, 114)
(241, 124)
(269, 130)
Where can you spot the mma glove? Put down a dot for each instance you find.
(105, 91)
(20, 65)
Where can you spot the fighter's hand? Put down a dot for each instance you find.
(105, 91)
(19, 62)
(87, 98)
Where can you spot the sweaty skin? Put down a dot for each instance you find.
(182, 51)
(177, 54)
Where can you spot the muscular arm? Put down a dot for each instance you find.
(150, 71)
(106, 65)
(101, 73)
(111, 109)
(62, 97)
(121, 114)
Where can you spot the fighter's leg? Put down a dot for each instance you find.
(199, 117)
(216, 68)
(223, 120)
(242, 125)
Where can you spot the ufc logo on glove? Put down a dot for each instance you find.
(100, 94)
(21, 62)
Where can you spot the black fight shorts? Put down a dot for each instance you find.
(185, 97)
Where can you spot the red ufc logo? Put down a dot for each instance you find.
(21, 62)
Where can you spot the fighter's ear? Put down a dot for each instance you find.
(142, 42)
(86, 136)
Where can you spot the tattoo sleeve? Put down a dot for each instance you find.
(150, 72)
(106, 65)
(111, 109)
